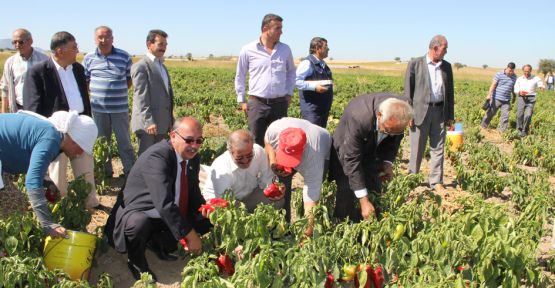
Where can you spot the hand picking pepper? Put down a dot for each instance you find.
(275, 189)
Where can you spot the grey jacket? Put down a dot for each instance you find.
(152, 103)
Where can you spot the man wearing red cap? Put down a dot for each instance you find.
(296, 145)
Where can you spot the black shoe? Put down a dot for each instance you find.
(160, 253)
(102, 208)
(136, 271)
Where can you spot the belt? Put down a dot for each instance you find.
(435, 104)
(269, 101)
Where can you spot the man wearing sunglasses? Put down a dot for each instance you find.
(365, 144)
(244, 169)
(161, 199)
(15, 69)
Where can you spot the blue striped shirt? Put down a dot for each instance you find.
(504, 86)
(107, 76)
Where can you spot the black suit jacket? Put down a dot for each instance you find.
(151, 185)
(355, 139)
(44, 94)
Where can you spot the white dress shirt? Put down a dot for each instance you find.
(224, 174)
(436, 80)
(71, 89)
(530, 85)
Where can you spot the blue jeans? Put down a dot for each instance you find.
(549, 86)
(119, 123)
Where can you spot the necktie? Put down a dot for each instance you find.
(183, 190)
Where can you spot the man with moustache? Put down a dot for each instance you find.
(15, 69)
(526, 87)
(152, 115)
(161, 199)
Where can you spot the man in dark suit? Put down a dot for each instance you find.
(429, 89)
(153, 95)
(58, 84)
(365, 144)
(161, 199)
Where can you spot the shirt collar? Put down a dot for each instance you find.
(98, 53)
(153, 58)
(30, 57)
(179, 158)
(429, 61)
(60, 68)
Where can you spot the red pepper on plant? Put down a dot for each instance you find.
(225, 265)
(329, 280)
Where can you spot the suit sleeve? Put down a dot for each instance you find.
(157, 174)
(33, 90)
(409, 82)
(450, 93)
(142, 93)
(352, 155)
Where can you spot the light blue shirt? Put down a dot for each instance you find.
(304, 70)
(270, 75)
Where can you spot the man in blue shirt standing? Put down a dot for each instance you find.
(29, 142)
(314, 81)
(108, 73)
(499, 96)
(271, 70)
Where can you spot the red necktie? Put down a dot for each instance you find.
(183, 190)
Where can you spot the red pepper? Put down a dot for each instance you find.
(212, 204)
(183, 243)
(378, 278)
(225, 265)
(51, 195)
(274, 189)
(329, 280)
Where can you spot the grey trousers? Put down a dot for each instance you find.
(433, 127)
(524, 110)
(146, 140)
(119, 123)
(505, 107)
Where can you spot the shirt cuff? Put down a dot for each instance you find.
(361, 193)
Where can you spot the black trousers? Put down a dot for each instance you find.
(345, 198)
(261, 115)
(141, 229)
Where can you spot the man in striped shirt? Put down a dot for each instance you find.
(499, 96)
(108, 75)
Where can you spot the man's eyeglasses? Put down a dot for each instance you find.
(246, 157)
(190, 140)
(20, 42)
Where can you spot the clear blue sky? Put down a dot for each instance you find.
(479, 32)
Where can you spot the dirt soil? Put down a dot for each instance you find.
(169, 273)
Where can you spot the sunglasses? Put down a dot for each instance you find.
(190, 140)
(20, 42)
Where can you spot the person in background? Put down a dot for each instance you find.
(269, 64)
(244, 169)
(30, 142)
(59, 84)
(314, 81)
(161, 199)
(499, 95)
(152, 115)
(525, 87)
(365, 144)
(549, 80)
(430, 91)
(15, 69)
(108, 73)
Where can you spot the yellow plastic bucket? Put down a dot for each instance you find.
(455, 138)
(73, 255)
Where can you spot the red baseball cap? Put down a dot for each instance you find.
(290, 147)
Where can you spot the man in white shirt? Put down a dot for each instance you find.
(15, 69)
(244, 169)
(525, 87)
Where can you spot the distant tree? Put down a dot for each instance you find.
(398, 59)
(1, 50)
(331, 58)
(189, 56)
(546, 66)
(211, 56)
(458, 65)
(485, 66)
